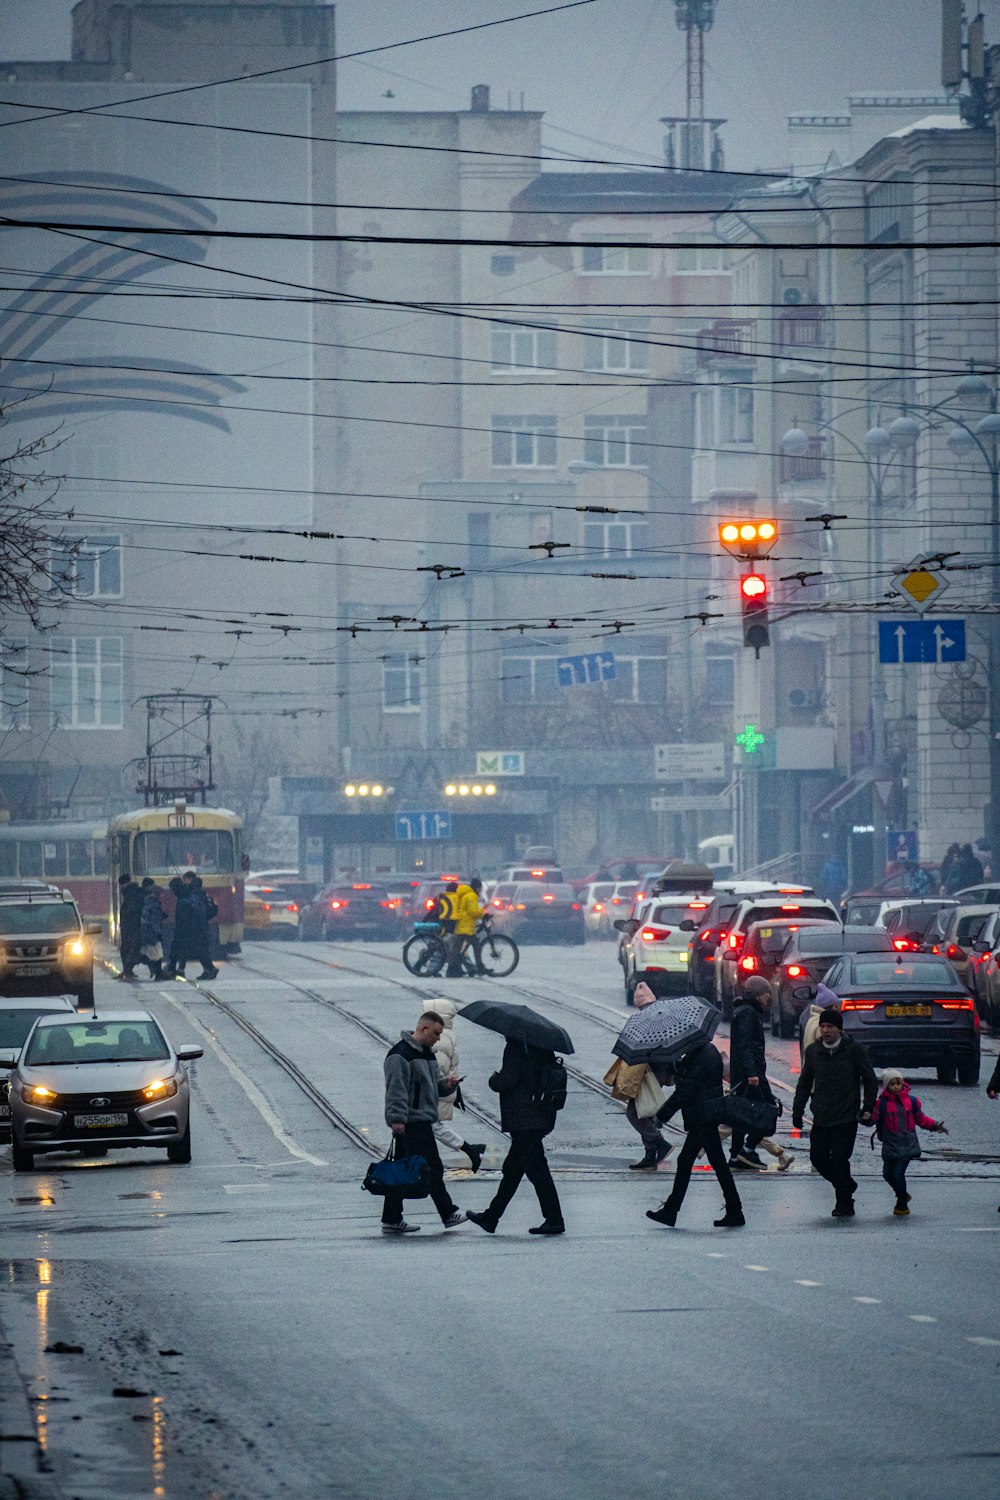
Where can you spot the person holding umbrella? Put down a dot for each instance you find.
(531, 1092)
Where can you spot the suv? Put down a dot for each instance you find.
(953, 932)
(656, 942)
(779, 907)
(45, 945)
(723, 904)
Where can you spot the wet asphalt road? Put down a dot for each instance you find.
(274, 1344)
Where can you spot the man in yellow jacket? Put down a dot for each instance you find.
(467, 911)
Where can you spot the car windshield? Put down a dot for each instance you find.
(788, 913)
(547, 893)
(38, 916)
(97, 1042)
(168, 851)
(15, 1025)
(930, 974)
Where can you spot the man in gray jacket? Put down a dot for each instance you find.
(413, 1089)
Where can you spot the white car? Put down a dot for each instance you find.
(656, 942)
(594, 900)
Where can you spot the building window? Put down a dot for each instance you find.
(701, 260)
(401, 683)
(522, 348)
(87, 682)
(639, 679)
(719, 681)
(529, 679)
(600, 259)
(614, 344)
(524, 442)
(616, 538)
(13, 685)
(615, 442)
(735, 414)
(88, 566)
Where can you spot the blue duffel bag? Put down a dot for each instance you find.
(407, 1176)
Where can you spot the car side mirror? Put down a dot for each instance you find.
(94, 929)
(8, 1060)
(189, 1052)
(687, 925)
(804, 992)
(624, 924)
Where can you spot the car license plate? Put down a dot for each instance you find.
(909, 1010)
(98, 1122)
(30, 971)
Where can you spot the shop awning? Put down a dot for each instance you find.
(842, 794)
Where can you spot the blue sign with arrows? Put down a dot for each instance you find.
(423, 825)
(901, 642)
(593, 666)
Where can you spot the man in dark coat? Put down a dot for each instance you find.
(528, 1114)
(414, 1089)
(192, 914)
(697, 1085)
(151, 923)
(129, 916)
(748, 1065)
(841, 1081)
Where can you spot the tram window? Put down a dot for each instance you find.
(29, 857)
(100, 857)
(55, 858)
(79, 857)
(207, 851)
(8, 857)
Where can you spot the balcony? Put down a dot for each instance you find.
(725, 339)
(802, 328)
(804, 468)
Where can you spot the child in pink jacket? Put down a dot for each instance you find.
(896, 1115)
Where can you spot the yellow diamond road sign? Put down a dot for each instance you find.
(919, 585)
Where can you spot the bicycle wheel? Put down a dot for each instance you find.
(500, 955)
(424, 955)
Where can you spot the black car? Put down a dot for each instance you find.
(910, 1010)
(806, 957)
(539, 912)
(362, 910)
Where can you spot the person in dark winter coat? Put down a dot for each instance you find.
(151, 923)
(413, 1091)
(896, 1115)
(528, 1115)
(129, 914)
(192, 913)
(965, 871)
(698, 1084)
(748, 1065)
(841, 1082)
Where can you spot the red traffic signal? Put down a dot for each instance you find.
(753, 600)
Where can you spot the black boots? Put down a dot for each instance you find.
(665, 1215)
(483, 1221)
(731, 1219)
(548, 1228)
(475, 1154)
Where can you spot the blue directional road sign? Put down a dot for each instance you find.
(927, 640)
(594, 666)
(423, 825)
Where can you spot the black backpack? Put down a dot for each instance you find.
(551, 1084)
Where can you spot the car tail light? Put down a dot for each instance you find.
(537, 874)
(361, 887)
(792, 890)
(291, 906)
(795, 971)
(859, 1004)
(597, 906)
(903, 945)
(267, 906)
(791, 908)
(519, 907)
(735, 941)
(430, 903)
(498, 903)
(703, 937)
(965, 1003)
(697, 906)
(548, 896)
(953, 951)
(575, 906)
(338, 905)
(654, 934)
(749, 963)
(640, 895)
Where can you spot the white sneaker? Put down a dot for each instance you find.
(458, 1217)
(785, 1161)
(401, 1228)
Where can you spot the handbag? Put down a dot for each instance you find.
(625, 1079)
(650, 1097)
(403, 1176)
(755, 1116)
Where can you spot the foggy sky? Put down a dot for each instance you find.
(608, 71)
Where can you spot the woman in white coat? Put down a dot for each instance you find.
(446, 1052)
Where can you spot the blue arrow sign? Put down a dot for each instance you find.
(423, 825)
(929, 640)
(593, 666)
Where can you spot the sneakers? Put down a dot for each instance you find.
(474, 1153)
(548, 1228)
(646, 1164)
(748, 1158)
(453, 1220)
(664, 1215)
(844, 1210)
(731, 1219)
(785, 1161)
(401, 1228)
(901, 1211)
(482, 1221)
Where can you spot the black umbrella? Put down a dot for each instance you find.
(666, 1029)
(519, 1023)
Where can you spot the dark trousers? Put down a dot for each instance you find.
(750, 1138)
(526, 1158)
(129, 950)
(649, 1131)
(830, 1148)
(894, 1172)
(418, 1140)
(704, 1138)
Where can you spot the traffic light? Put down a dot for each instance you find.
(753, 600)
(748, 539)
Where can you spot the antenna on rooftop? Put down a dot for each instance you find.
(694, 141)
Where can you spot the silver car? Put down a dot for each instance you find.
(89, 1083)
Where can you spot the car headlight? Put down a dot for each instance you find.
(38, 1094)
(76, 948)
(160, 1088)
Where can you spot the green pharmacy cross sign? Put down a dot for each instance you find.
(750, 740)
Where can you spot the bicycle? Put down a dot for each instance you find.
(426, 952)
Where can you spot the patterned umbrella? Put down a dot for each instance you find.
(667, 1029)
